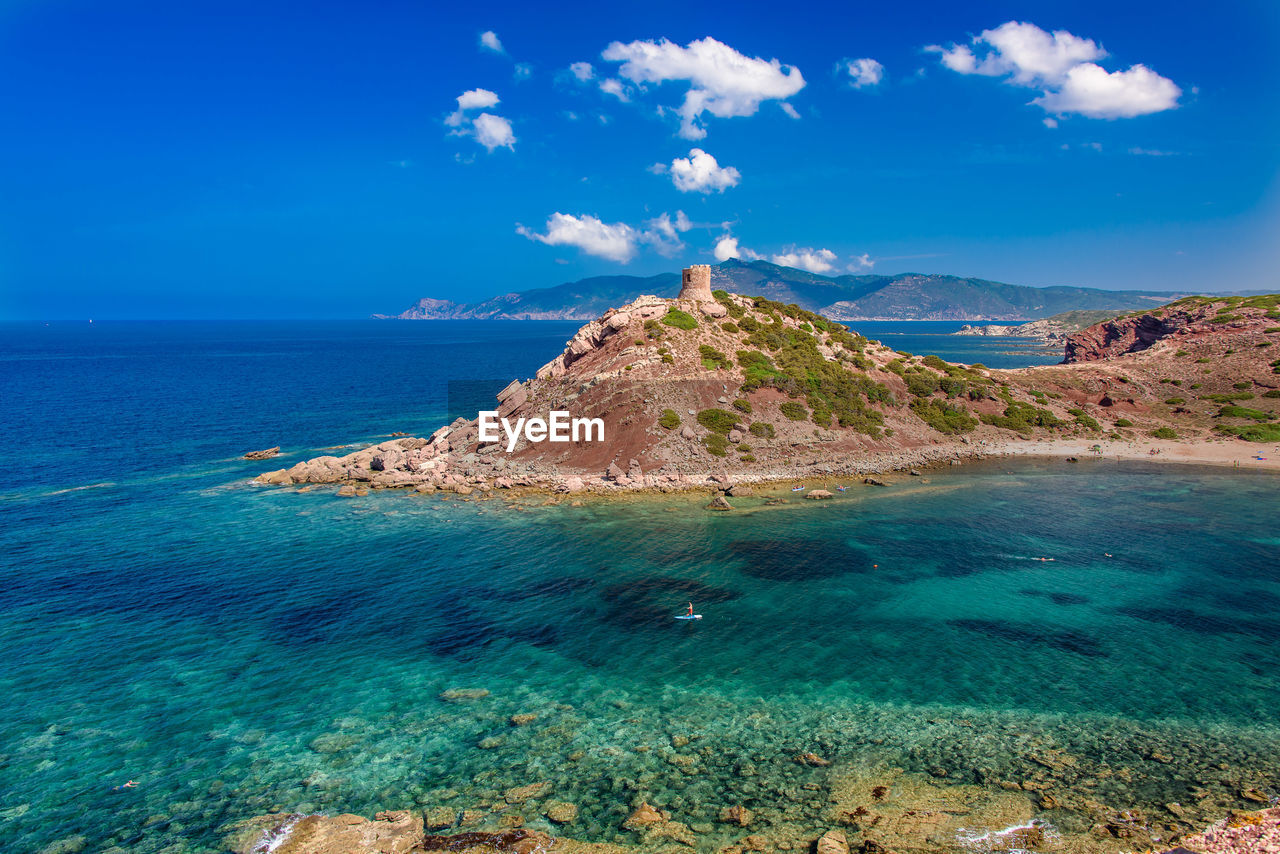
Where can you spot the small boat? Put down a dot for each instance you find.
(797, 489)
(842, 488)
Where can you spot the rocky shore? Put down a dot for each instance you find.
(706, 391)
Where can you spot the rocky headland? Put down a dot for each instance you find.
(706, 390)
(1049, 330)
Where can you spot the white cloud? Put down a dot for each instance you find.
(1152, 152)
(861, 263)
(700, 173)
(722, 81)
(657, 168)
(616, 241)
(489, 41)
(613, 86)
(1063, 67)
(1090, 90)
(813, 260)
(1050, 122)
(727, 247)
(491, 131)
(862, 72)
(523, 70)
(472, 99)
(789, 110)
(582, 70)
(663, 233)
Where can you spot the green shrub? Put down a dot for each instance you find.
(1271, 329)
(748, 458)
(742, 405)
(952, 386)
(942, 417)
(1022, 417)
(1242, 412)
(1194, 386)
(680, 319)
(1180, 353)
(794, 411)
(1252, 432)
(718, 420)
(669, 420)
(713, 359)
(668, 359)
(762, 429)
(743, 448)
(1088, 422)
(735, 311)
(1174, 401)
(1123, 422)
(1227, 398)
(895, 366)
(749, 324)
(716, 444)
(1242, 385)
(1164, 433)
(1224, 318)
(730, 327)
(1274, 393)
(822, 416)
(922, 384)
(1202, 361)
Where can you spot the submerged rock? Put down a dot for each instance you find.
(719, 503)
(263, 455)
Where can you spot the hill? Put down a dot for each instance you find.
(704, 390)
(908, 296)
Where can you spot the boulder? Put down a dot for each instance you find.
(561, 812)
(278, 477)
(818, 494)
(520, 794)
(618, 321)
(573, 484)
(643, 816)
(347, 491)
(687, 433)
(719, 503)
(522, 719)
(874, 481)
(613, 472)
(739, 491)
(263, 455)
(735, 436)
(832, 842)
(738, 815)
(392, 832)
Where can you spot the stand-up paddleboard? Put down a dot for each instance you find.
(689, 617)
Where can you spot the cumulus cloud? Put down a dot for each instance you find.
(490, 130)
(813, 260)
(522, 70)
(721, 81)
(613, 86)
(615, 241)
(861, 263)
(489, 41)
(1063, 67)
(1090, 90)
(861, 72)
(700, 173)
(582, 71)
(493, 132)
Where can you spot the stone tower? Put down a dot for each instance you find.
(695, 283)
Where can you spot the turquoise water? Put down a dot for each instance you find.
(238, 650)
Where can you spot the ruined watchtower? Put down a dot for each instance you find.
(695, 283)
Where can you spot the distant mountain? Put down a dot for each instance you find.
(909, 296)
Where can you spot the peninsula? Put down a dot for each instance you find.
(711, 389)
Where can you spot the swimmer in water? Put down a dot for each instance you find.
(129, 785)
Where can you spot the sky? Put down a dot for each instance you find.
(270, 159)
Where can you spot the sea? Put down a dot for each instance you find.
(181, 650)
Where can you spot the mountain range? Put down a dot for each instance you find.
(907, 296)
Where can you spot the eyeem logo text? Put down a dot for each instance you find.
(558, 427)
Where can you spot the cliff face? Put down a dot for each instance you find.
(1189, 319)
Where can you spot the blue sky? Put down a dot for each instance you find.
(313, 160)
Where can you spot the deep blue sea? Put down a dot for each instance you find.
(237, 650)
